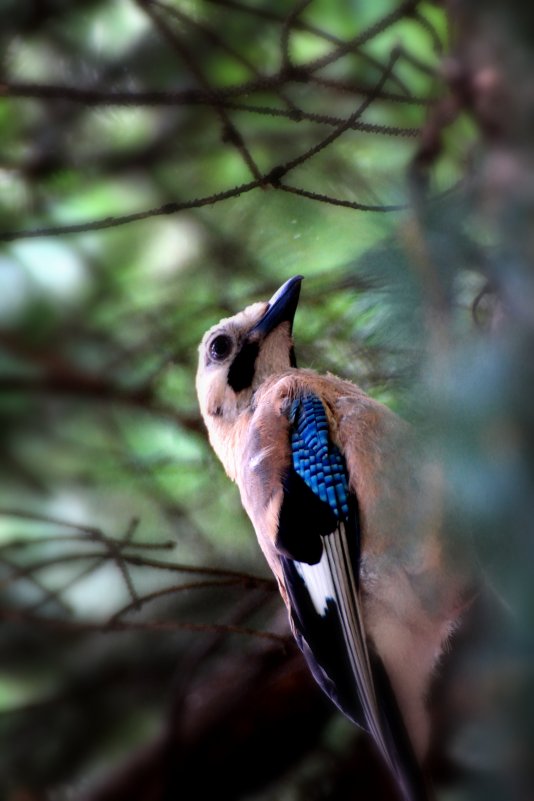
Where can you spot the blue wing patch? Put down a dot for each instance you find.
(317, 498)
(319, 544)
(315, 458)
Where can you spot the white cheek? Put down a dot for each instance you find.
(211, 389)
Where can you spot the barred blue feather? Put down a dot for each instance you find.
(315, 458)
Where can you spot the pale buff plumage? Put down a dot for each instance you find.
(412, 596)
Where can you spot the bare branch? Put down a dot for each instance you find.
(425, 23)
(48, 595)
(177, 588)
(405, 9)
(335, 201)
(230, 133)
(86, 626)
(278, 173)
(247, 579)
(126, 219)
(285, 34)
(196, 97)
(301, 25)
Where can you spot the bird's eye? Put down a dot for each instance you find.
(220, 347)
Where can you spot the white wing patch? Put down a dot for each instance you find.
(319, 583)
(332, 579)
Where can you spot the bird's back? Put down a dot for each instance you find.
(409, 591)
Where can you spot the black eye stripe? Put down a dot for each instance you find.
(241, 370)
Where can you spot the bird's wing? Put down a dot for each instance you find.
(319, 545)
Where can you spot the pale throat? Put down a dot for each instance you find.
(227, 437)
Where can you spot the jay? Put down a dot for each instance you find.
(348, 527)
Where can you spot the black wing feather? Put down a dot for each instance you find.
(319, 544)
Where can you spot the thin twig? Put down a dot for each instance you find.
(301, 25)
(351, 87)
(48, 594)
(248, 580)
(21, 543)
(126, 219)
(56, 594)
(336, 201)
(285, 34)
(281, 170)
(425, 23)
(191, 97)
(119, 559)
(171, 98)
(230, 133)
(384, 23)
(85, 626)
(423, 67)
(213, 36)
(176, 588)
(92, 532)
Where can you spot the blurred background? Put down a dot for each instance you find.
(162, 164)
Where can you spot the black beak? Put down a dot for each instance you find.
(282, 307)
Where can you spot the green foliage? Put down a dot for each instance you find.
(107, 480)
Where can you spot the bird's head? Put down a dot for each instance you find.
(239, 353)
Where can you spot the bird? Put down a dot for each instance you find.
(350, 523)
